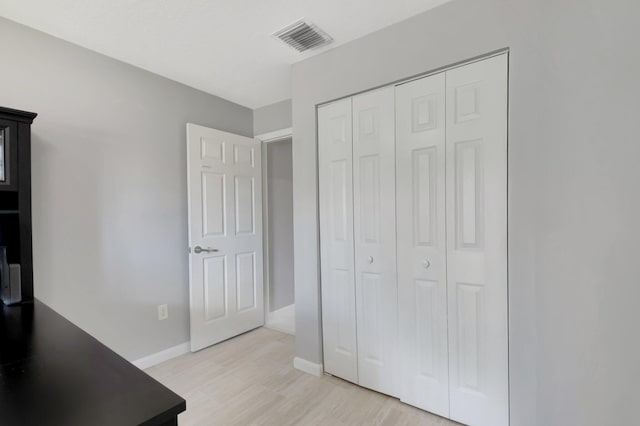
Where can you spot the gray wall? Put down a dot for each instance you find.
(573, 197)
(109, 186)
(280, 216)
(272, 117)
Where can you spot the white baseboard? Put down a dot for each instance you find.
(284, 319)
(308, 366)
(162, 356)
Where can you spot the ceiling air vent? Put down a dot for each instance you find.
(303, 36)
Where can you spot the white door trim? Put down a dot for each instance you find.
(433, 71)
(276, 135)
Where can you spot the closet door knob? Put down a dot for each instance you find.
(370, 259)
(426, 264)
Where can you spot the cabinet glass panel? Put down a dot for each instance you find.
(2, 173)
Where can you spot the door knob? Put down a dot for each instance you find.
(426, 264)
(370, 259)
(199, 250)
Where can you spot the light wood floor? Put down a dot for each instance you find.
(250, 380)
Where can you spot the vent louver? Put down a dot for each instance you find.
(303, 36)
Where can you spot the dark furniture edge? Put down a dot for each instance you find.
(17, 115)
(24, 206)
(164, 418)
(168, 417)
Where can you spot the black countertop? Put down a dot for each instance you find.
(53, 373)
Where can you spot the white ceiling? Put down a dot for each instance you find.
(223, 47)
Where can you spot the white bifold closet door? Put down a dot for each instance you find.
(476, 191)
(358, 239)
(336, 242)
(427, 323)
(422, 252)
(375, 239)
(451, 147)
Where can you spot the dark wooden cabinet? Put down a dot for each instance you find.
(52, 372)
(15, 197)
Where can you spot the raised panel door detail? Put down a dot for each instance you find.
(335, 185)
(215, 287)
(469, 336)
(372, 344)
(467, 103)
(246, 281)
(245, 205)
(370, 198)
(225, 215)
(338, 176)
(369, 122)
(421, 246)
(375, 239)
(477, 274)
(338, 126)
(469, 194)
(426, 300)
(211, 149)
(424, 113)
(243, 155)
(424, 172)
(344, 303)
(213, 204)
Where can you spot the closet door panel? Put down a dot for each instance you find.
(336, 247)
(477, 241)
(375, 239)
(422, 262)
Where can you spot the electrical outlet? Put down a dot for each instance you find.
(163, 312)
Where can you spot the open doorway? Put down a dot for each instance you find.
(278, 234)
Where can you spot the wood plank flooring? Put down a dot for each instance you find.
(250, 380)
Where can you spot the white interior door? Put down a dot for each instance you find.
(477, 241)
(422, 255)
(375, 239)
(336, 248)
(225, 235)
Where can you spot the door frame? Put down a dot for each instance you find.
(266, 138)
